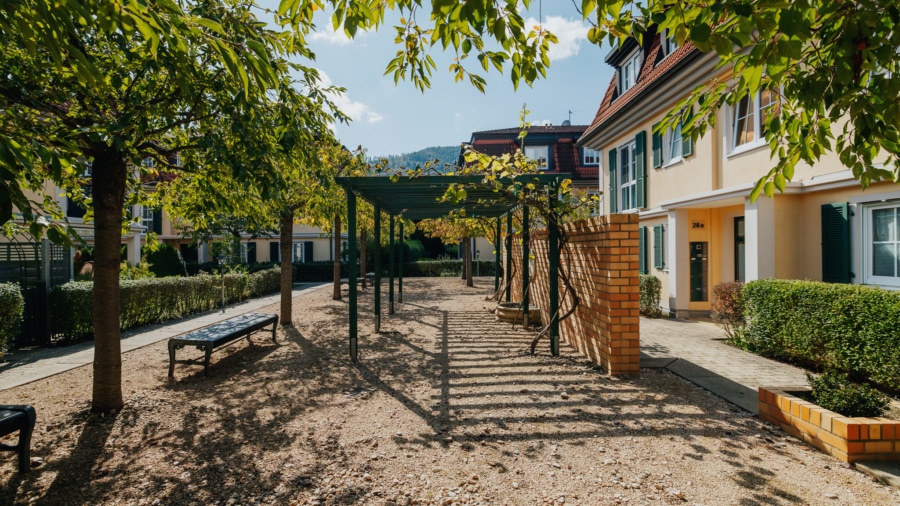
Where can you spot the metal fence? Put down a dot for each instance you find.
(36, 267)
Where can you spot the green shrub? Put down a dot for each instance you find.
(128, 271)
(12, 305)
(651, 293)
(317, 271)
(146, 301)
(835, 392)
(165, 261)
(728, 306)
(264, 282)
(825, 326)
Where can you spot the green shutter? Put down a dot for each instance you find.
(657, 147)
(640, 163)
(642, 250)
(157, 221)
(836, 243)
(613, 188)
(659, 237)
(307, 251)
(687, 145)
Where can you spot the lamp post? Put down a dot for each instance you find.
(221, 259)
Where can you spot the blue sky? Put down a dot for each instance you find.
(393, 119)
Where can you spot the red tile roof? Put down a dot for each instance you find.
(566, 158)
(650, 73)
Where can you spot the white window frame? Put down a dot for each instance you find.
(755, 122)
(296, 252)
(627, 186)
(867, 247)
(629, 71)
(244, 248)
(591, 157)
(539, 154)
(672, 145)
(667, 42)
(147, 218)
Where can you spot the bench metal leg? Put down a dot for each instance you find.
(208, 354)
(24, 447)
(23, 421)
(274, 325)
(171, 360)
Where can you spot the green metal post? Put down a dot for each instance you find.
(377, 267)
(400, 267)
(351, 274)
(553, 237)
(497, 256)
(509, 240)
(526, 236)
(391, 268)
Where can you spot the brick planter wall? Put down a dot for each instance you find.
(848, 439)
(601, 260)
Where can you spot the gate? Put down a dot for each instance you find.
(36, 267)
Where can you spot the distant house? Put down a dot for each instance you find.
(698, 226)
(552, 146)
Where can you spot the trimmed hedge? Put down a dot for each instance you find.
(12, 305)
(845, 328)
(438, 268)
(146, 301)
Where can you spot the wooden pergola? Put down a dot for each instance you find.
(420, 197)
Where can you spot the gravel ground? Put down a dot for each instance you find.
(445, 407)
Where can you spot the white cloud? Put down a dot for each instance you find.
(570, 32)
(357, 111)
(337, 38)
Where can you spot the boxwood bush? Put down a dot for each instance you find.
(651, 294)
(848, 329)
(12, 304)
(146, 301)
(835, 392)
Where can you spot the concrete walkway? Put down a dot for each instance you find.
(25, 366)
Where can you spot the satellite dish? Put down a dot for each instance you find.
(566, 123)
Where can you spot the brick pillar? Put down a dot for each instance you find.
(601, 261)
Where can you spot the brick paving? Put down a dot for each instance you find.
(697, 351)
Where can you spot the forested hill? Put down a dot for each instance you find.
(445, 154)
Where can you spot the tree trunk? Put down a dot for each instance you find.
(287, 279)
(362, 256)
(465, 246)
(109, 200)
(336, 295)
(468, 262)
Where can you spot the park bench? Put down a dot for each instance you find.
(218, 335)
(18, 418)
(370, 279)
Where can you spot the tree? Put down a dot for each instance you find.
(105, 96)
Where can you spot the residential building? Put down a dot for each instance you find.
(552, 146)
(698, 225)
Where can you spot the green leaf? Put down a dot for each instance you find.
(700, 33)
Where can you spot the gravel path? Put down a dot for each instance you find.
(445, 407)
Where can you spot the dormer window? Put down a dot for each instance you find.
(538, 154)
(668, 43)
(628, 72)
(591, 156)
